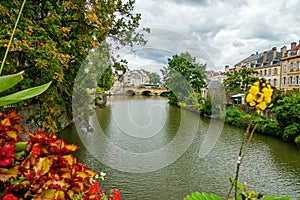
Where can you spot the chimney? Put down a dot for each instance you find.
(274, 50)
(293, 44)
(226, 68)
(283, 51)
(265, 56)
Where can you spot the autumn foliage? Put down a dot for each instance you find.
(42, 167)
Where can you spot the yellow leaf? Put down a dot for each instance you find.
(42, 166)
(5, 122)
(45, 194)
(69, 159)
(7, 174)
(70, 193)
(71, 147)
(12, 134)
(82, 175)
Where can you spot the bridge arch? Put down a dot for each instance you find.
(146, 93)
(164, 94)
(130, 92)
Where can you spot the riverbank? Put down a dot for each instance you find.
(237, 115)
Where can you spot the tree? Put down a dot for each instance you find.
(184, 77)
(239, 81)
(53, 39)
(154, 78)
(287, 112)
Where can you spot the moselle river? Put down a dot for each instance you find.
(152, 152)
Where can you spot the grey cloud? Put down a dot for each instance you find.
(220, 27)
(191, 2)
(160, 56)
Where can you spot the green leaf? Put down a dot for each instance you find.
(20, 146)
(23, 95)
(274, 197)
(17, 181)
(9, 81)
(20, 154)
(202, 196)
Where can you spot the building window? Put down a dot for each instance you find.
(284, 68)
(284, 81)
(275, 82)
(260, 72)
(291, 80)
(298, 80)
(275, 71)
(270, 73)
(294, 65)
(266, 72)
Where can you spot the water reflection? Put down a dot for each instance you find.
(271, 166)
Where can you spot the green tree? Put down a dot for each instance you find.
(106, 80)
(52, 40)
(184, 77)
(239, 81)
(287, 113)
(154, 78)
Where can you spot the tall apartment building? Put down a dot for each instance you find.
(280, 68)
(290, 68)
(268, 66)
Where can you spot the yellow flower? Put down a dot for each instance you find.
(252, 103)
(261, 106)
(268, 99)
(254, 89)
(259, 95)
(249, 98)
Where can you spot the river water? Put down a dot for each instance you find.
(160, 146)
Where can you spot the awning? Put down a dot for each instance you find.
(238, 95)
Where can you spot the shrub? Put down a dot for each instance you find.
(268, 127)
(297, 140)
(233, 112)
(42, 167)
(291, 132)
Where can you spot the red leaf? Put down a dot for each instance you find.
(13, 115)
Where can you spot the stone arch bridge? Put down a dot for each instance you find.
(148, 91)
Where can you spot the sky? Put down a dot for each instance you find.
(216, 32)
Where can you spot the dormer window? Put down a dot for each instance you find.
(298, 52)
(289, 53)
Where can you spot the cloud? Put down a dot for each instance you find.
(227, 31)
